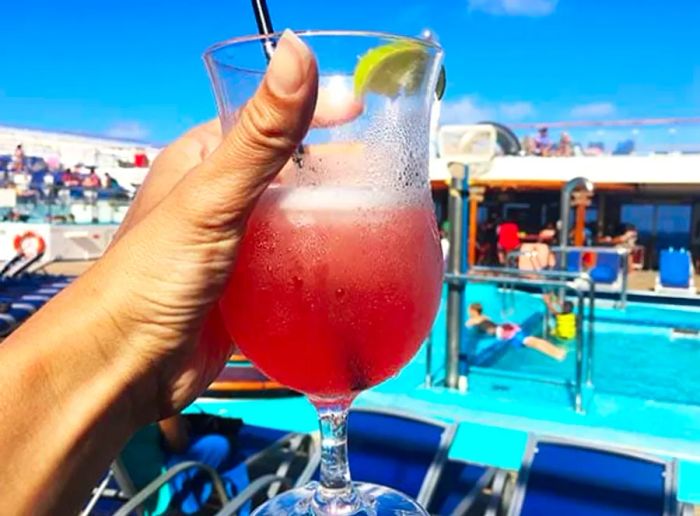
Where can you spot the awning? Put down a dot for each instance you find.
(606, 172)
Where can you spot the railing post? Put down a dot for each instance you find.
(625, 272)
(456, 206)
(591, 332)
(578, 400)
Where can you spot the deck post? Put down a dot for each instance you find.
(581, 201)
(456, 211)
(476, 195)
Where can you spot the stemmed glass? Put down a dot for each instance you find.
(338, 277)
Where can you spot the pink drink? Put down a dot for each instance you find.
(334, 289)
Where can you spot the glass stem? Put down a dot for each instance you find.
(335, 494)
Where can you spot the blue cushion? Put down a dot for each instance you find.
(456, 480)
(606, 269)
(674, 268)
(391, 450)
(566, 479)
(573, 261)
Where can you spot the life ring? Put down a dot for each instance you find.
(29, 243)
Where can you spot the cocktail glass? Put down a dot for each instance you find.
(338, 277)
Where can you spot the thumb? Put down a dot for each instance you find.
(219, 193)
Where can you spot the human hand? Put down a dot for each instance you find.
(169, 264)
(176, 246)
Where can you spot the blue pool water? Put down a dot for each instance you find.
(636, 351)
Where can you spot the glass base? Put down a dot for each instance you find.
(369, 500)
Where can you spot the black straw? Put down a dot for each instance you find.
(262, 19)
(264, 22)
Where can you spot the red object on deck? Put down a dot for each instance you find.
(508, 238)
(140, 159)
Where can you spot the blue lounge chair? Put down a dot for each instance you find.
(462, 489)
(561, 477)
(606, 271)
(573, 261)
(409, 453)
(676, 275)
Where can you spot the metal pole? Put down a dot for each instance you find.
(591, 334)
(579, 355)
(625, 272)
(455, 290)
(564, 209)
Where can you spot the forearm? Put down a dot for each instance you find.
(65, 408)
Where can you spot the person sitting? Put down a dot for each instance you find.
(543, 145)
(547, 234)
(565, 147)
(171, 441)
(564, 318)
(91, 180)
(511, 333)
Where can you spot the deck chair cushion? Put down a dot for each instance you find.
(392, 451)
(674, 269)
(606, 269)
(572, 480)
(456, 481)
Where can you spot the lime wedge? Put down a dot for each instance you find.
(391, 69)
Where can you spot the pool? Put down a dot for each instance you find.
(637, 353)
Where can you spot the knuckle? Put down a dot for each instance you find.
(263, 126)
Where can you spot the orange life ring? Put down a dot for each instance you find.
(21, 247)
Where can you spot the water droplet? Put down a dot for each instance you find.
(339, 293)
(297, 282)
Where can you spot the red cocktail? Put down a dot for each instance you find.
(338, 276)
(334, 289)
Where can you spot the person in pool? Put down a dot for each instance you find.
(511, 333)
(564, 318)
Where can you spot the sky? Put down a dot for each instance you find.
(133, 68)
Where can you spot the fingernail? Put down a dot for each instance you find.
(289, 65)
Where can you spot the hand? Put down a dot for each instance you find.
(180, 237)
(168, 266)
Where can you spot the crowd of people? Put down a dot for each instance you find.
(22, 171)
(541, 144)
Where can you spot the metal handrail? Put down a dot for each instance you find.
(462, 279)
(576, 276)
(621, 252)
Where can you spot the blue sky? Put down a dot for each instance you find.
(133, 68)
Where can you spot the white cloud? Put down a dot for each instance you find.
(516, 110)
(464, 110)
(514, 7)
(469, 109)
(593, 110)
(128, 130)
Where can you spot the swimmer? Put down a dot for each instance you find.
(564, 318)
(511, 333)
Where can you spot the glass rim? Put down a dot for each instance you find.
(211, 50)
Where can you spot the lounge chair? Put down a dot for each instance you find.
(562, 477)
(464, 488)
(676, 275)
(273, 460)
(409, 453)
(607, 272)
